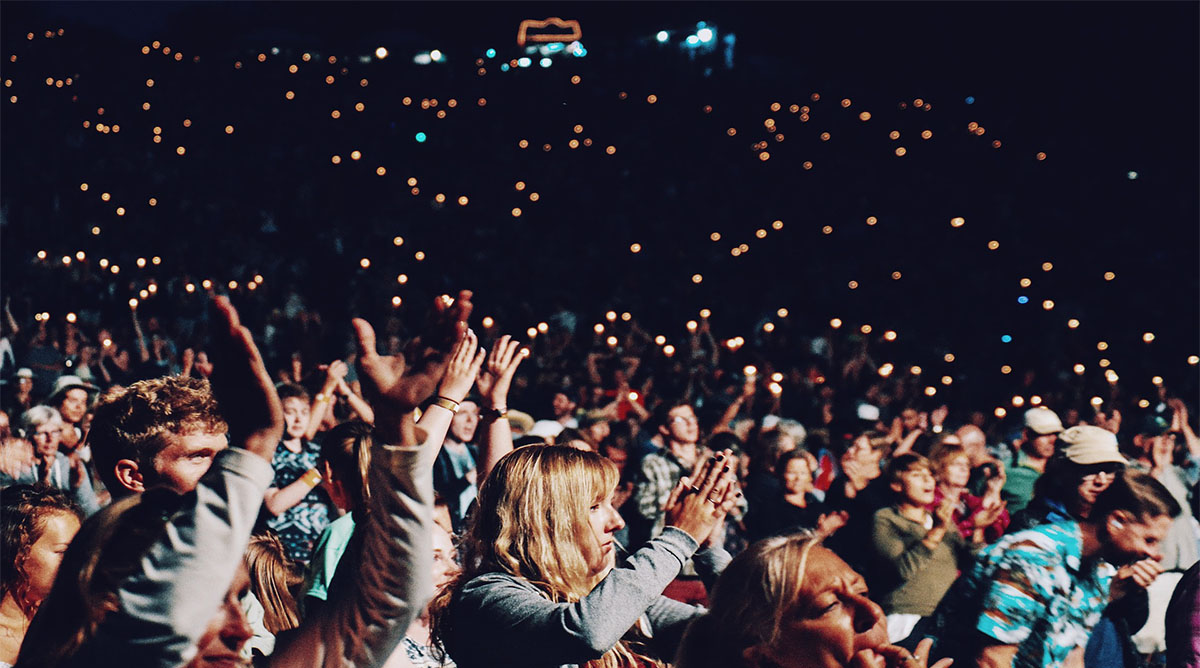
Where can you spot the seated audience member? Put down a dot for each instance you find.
(51, 466)
(540, 585)
(858, 492)
(1033, 597)
(299, 509)
(796, 507)
(979, 520)
(1157, 450)
(917, 554)
(72, 398)
(1035, 449)
(763, 484)
(1089, 462)
(789, 602)
(36, 525)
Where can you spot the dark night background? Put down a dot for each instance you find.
(1103, 89)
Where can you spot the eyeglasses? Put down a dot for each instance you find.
(684, 419)
(1108, 470)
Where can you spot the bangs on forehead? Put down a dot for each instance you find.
(602, 480)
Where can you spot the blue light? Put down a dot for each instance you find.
(1006, 339)
(504, 67)
(580, 51)
(554, 47)
(662, 36)
(1022, 299)
(692, 40)
(524, 62)
(546, 62)
(970, 99)
(420, 137)
(701, 24)
(705, 34)
(491, 53)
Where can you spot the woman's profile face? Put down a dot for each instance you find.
(604, 520)
(46, 553)
(831, 623)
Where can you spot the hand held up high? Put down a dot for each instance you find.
(394, 385)
(242, 387)
(699, 503)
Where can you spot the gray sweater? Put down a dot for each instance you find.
(503, 620)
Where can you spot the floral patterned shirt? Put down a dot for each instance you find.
(300, 526)
(1032, 589)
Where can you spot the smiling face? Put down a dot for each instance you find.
(682, 426)
(956, 472)
(74, 405)
(831, 622)
(916, 486)
(797, 478)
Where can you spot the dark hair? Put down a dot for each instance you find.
(725, 440)
(1138, 493)
(292, 391)
(905, 463)
(567, 435)
(770, 449)
(662, 416)
(106, 552)
(347, 450)
(24, 510)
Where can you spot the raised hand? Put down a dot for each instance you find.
(496, 376)
(698, 504)
(394, 385)
(987, 515)
(462, 369)
(242, 387)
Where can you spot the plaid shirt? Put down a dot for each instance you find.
(659, 473)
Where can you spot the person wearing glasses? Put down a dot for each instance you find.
(1086, 465)
(43, 427)
(660, 471)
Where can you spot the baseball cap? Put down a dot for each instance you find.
(1043, 421)
(1087, 444)
(1154, 425)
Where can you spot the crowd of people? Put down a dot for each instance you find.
(440, 495)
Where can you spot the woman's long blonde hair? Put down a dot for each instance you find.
(750, 602)
(532, 523)
(272, 579)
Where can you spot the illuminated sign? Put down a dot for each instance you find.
(550, 30)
